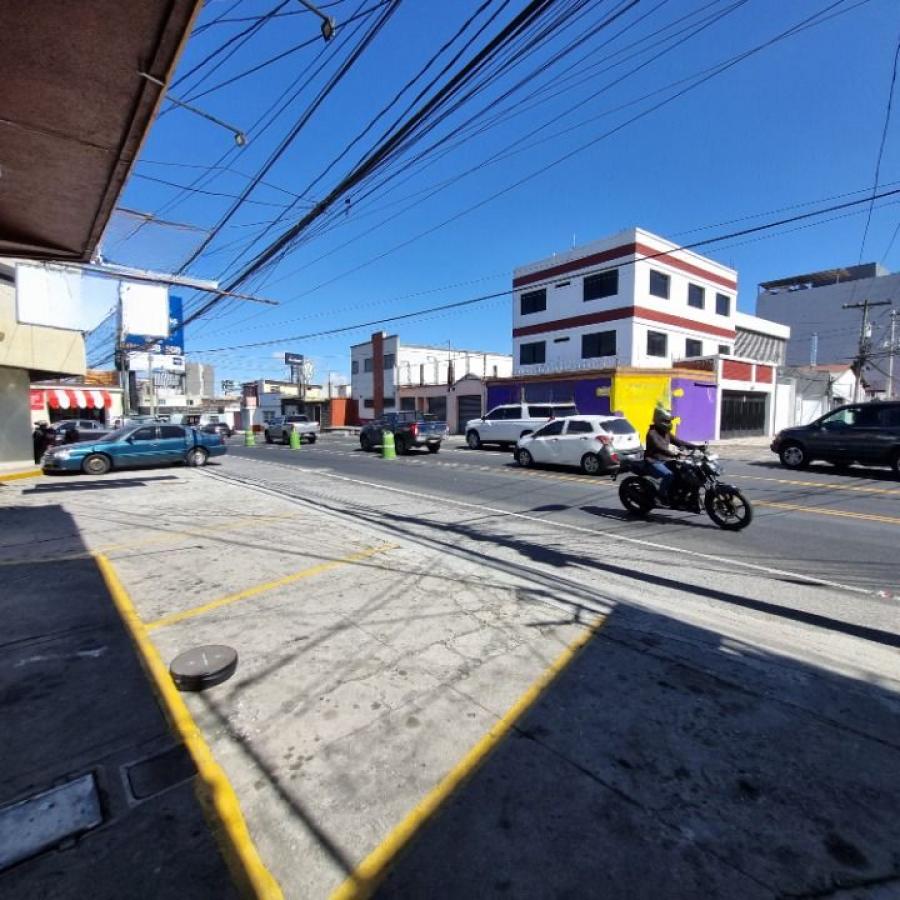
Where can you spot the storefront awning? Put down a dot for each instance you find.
(71, 398)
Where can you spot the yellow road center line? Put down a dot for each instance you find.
(363, 881)
(825, 484)
(243, 859)
(825, 511)
(258, 589)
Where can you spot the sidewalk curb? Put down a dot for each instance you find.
(15, 476)
(214, 791)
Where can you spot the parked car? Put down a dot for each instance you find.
(410, 429)
(280, 428)
(135, 445)
(504, 425)
(594, 444)
(221, 428)
(864, 433)
(86, 429)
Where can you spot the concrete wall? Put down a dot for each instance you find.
(15, 414)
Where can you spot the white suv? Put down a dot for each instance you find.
(505, 424)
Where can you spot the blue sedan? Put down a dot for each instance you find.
(135, 445)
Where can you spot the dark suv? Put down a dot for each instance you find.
(864, 433)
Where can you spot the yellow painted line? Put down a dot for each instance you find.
(825, 511)
(248, 870)
(258, 589)
(825, 484)
(363, 881)
(15, 476)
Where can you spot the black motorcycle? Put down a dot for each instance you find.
(696, 485)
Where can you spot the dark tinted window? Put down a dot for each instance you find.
(696, 296)
(723, 304)
(389, 359)
(533, 302)
(656, 343)
(693, 347)
(144, 434)
(511, 413)
(868, 417)
(550, 429)
(171, 431)
(598, 343)
(540, 412)
(618, 426)
(495, 414)
(659, 284)
(296, 419)
(724, 349)
(603, 284)
(532, 354)
(580, 427)
(367, 364)
(354, 367)
(890, 416)
(566, 410)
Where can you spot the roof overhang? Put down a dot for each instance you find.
(75, 113)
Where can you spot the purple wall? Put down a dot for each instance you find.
(696, 409)
(583, 393)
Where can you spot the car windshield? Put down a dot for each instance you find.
(296, 419)
(618, 426)
(118, 434)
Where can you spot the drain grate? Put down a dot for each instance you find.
(40, 822)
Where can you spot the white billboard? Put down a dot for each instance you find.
(161, 362)
(145, 309)
(59, 297)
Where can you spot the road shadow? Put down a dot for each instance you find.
(100, 484)
(857, 472)
(669, 761)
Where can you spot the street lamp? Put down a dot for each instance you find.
(328, 24)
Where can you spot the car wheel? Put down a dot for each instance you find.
(524, 458)
(473, 439)
(400, 446)
(311, 438)
(196, 457)
(96, 464)
(434, 448)
(590, 464)
(269, 438)
(793, 456)
(285, 437)
(365, 443)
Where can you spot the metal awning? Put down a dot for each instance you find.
(71, 398)
(74, 113)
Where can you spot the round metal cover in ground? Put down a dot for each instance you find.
(203, 667)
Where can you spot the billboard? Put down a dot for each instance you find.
(294, 359)
(161, 362)
(172, 345)
(145, 310)
(61, 298)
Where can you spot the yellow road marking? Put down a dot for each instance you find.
(243, 859)
(363, 881)
(15, 476)
(258, 589)
(825, 511)
(825, 484)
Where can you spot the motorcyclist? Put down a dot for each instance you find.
(662, 445)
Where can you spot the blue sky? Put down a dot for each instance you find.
(796, 123)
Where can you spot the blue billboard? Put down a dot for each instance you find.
(173, 345)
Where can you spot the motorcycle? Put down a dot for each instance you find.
(696, 486)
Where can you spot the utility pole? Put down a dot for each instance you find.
(891, 350)
(865, 343)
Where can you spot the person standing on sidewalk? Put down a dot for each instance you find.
(40, 439)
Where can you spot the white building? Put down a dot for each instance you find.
(822, 331)
(632, 299)
(385, 373)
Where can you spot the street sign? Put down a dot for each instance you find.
(294, 359)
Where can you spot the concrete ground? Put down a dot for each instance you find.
(732, 729)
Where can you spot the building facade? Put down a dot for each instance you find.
(384, 373)
(633, 299)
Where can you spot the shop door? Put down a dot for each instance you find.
(468, 406)
(743, 415)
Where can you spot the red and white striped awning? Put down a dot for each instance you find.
(78, 398)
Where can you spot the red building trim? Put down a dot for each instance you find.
(377, 375)
(737, 371)
(635, 249)
(764, 374)
(622, 312)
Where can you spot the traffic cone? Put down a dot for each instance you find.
(249, 439)
(388, 448)
(295, 439)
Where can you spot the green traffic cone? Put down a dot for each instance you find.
(249, 439)
(295, 439)
(388, 447)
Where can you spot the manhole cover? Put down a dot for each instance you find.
(203, 667)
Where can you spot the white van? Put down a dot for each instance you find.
(504, 425)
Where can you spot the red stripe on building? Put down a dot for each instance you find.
(595, 259)
(737, 371)
(764, 374)
(378, 374)
(622, 312)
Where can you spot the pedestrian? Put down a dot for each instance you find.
(40, 439)
(72, 435)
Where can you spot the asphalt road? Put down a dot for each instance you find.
(842, 528)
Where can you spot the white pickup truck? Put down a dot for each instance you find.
(280, 428)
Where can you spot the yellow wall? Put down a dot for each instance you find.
(636, 396)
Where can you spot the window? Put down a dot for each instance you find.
(563, 410)
(723, 305)
(388, 403)
(367, 364)
(560, 340)
(354, 367)
(579, 426)
(618, 426)
(540, 412)
(890, 416)
(693, 347)
(598, 343)
(659, 284)
(496, 414)
(657, 344)
(724, 350)
(551, 428)
(145, 434)
(268, 416)
(533, 302)
(171, 431)
(696, 296)
(603, 284)
(560, 284)
(368, 403)
(408, 403)
(495, 371)
(389, 360)
(532, 354)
